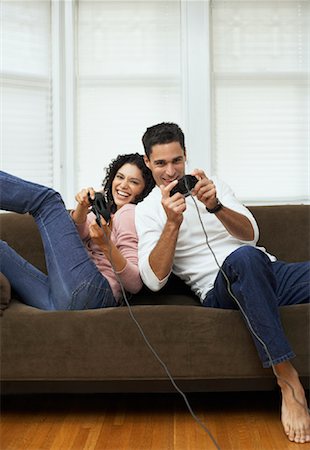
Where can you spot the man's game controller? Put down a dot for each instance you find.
(185, 185)
(99, 207)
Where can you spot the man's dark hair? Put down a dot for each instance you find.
(162, 133)
(111, 171)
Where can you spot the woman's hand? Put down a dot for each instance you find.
(82, 197)
(101, 235)
(80, 213)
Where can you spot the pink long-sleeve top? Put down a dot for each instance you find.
(124, 236)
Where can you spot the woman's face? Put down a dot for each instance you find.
(128, 183)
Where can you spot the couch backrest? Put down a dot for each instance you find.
(284, 232)
(20, 232)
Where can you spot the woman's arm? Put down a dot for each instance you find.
(101, 236)
(119, 243)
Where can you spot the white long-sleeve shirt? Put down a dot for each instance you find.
(193, 261)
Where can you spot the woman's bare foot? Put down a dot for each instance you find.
(294, 412)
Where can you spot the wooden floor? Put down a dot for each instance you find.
(237, 421)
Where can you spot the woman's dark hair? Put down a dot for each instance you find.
(114, 166)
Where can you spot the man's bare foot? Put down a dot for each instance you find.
(294, 412)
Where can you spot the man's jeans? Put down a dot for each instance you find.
(260, 287)
(73, 280)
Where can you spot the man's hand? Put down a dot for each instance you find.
(162, 255)
(235, 223)
(174, 206)
(205, 189)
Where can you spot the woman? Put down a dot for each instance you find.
(86, 264)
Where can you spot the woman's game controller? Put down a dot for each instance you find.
(99, 207)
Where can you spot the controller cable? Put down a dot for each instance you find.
(150, 346)
(229, 290)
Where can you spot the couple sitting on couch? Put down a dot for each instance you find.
(89, 265)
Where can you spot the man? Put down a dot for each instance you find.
(209, 240)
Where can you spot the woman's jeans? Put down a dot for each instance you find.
(260, 287)
(73, 280)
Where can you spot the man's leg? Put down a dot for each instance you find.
(293, 288)
(259, 286)
(294, 411)
(247, 282)
(293, 282)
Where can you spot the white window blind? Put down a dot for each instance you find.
(142, 62)
(260, 57)
(26, 125)
(129, 77)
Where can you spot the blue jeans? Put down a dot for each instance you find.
(261, 286)
(73, 280)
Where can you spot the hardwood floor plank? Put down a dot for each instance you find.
(238, 421)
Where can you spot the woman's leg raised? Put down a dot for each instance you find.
(74, 281)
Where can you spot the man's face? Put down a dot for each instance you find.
(167, 162)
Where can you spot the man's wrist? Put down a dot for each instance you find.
(216, 208)
(173, 226)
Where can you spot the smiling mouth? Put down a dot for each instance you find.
(169, 181)
(123, 194)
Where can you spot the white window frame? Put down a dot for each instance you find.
(196, 90)
(64, 94)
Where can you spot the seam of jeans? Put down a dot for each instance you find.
(24, 266)
(82, 286)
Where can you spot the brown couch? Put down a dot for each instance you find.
(103, 351)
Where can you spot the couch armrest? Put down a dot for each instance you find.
(5, 292)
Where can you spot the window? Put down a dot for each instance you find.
(82, 79)
(26, 112)
(260, 60)
(129, 77)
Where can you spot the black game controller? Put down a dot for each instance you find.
(185, 185)
(99, 207)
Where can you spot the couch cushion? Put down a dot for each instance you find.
(104, 344)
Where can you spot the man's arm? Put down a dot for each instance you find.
(162, 256)
(235, 223)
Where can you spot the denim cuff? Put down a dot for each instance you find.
(267, 364)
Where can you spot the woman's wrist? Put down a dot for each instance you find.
(79, 215)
